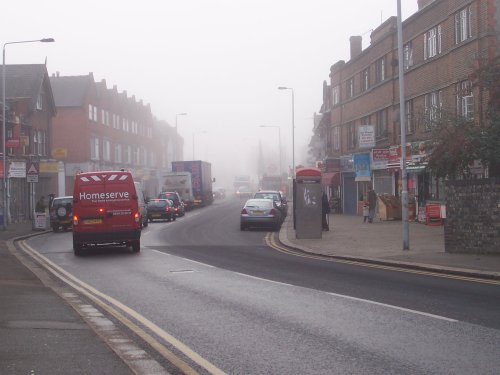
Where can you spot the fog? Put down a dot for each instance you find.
(219, 61)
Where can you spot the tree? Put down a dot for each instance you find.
(457, 141)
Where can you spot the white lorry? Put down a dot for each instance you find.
(182, 184)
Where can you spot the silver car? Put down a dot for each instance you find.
(260, 213)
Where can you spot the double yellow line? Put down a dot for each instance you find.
(270, 240)
(113, 307)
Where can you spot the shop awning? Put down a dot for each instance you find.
(330, 178)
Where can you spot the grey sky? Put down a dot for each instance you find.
(220, 61)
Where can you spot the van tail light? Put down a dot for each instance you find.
(272, 212)
(136, 217)
(75, 220)
(244, 211)
(101, 210)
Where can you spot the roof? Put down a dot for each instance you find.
(25, 81)
(70, 91)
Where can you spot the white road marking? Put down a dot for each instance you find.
(261, 279)
(394, 307)
(201, 264)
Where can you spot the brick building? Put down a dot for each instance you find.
(97, 128)
(28, 127)
(444, 41)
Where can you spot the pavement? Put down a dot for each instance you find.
(42, 333)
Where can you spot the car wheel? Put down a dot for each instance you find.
(136, 246)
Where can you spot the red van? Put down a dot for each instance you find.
(105, 210)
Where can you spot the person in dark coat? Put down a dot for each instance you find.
(325, 210)
(372, 204)
(40, 205)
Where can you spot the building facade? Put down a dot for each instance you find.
(444, 42)
(97, 128)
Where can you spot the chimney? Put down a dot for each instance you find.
(356, 48)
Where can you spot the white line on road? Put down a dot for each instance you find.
(394, 307)
(261, 279)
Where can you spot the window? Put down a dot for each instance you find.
(350, 88)
(365, 79)
(150, 132)
(95, 114)
(407, 56)
(365, 120)
(127, 154)
(106, 150)
(380, 69)
(463, 25)
(118, 153)
(336, 138)
(432, 42)
(39, 102)
(351, 135)
(335, 95)
(94, 148)
(117, 124)
(136, 157)
(432, 107)
(39, 142)
(103, 117)
(381, 125)
(91, 112)
(409, 123)
(465, 100)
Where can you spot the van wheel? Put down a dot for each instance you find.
(136, 246)
(77, 248)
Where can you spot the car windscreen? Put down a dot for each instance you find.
(267, 196)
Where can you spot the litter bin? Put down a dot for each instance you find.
(307, 203)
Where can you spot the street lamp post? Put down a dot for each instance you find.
(404, 177)
(293, 127)
(279, 141)
(4, 104)
(177, 133)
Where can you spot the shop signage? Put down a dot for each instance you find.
(49, 167)
(346, 164)
(17, 169)
(380, 158)
(332, 164)
(366, 136)
(25, 140)
(13, 143)
(362, 166)
(59, 153)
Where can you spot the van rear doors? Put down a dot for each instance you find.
(105, 210)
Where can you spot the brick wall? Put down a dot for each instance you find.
(473, 216)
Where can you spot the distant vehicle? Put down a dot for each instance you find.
(61, 211)
(105, 210)
(244, 192)
(176, 200)
(260, 213)
(271, 183)
(162, 209)
(278, 198)
(242, 180)
(143, 207)
(219, 193)
(180, 182)
(201, 179)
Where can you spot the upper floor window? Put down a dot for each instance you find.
(351, 135)
(118, 153)
(39, 142)
(407, 56)
(465, 99)
(39, 102)
(103, 117)
(336, 138)
(94, 148)
(380, 69)
(432, 42)
(106, 150)
(433, 104)
(381, 124)
(463, 25)
(335, 95)
(350, 88)
(409, 121)
(365, 79)
(92, 113)
(150, 132)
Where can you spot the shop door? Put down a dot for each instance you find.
(350, 195)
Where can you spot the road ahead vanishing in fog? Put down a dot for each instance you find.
(246, 308)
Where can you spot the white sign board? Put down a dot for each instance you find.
(366, 135)
(17, 169)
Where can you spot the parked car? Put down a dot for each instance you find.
(61, 211)
(176, 199)
(143, 207)
(278, 198)
(161, 209)
(260, 213)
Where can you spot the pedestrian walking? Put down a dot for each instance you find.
(325, 210)
(40, 205)
(366, 211)
(372, 204)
